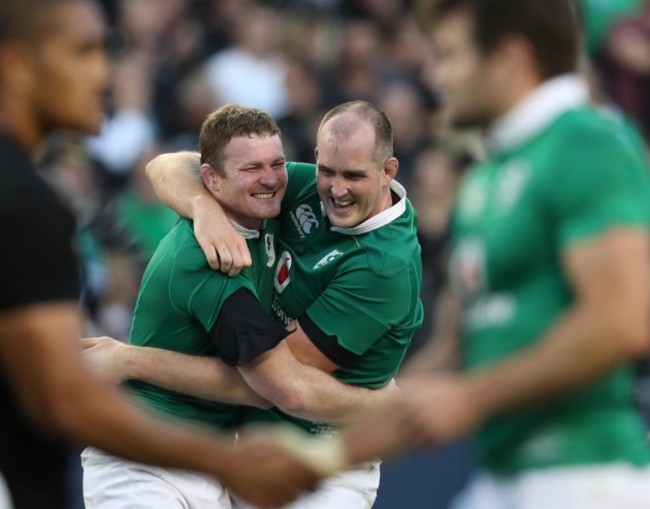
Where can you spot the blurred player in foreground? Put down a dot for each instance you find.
(53, 74)
(550, 263)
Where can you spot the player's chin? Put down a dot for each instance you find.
(267, 211)
(343, 222)
(90, 125)
(342, 218)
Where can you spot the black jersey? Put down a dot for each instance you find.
(37, 265)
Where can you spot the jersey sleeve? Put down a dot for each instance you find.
(37, 261)
(359, 306)
(243, 330)
(601, 182)
(198, 290)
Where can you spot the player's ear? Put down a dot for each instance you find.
(16, 67)
(210, 177)
(391, 166)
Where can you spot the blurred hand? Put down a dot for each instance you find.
(106, 357)
(266, 474)
(224, 247)
(438, 409)
(428, 411)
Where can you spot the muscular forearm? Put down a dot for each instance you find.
(307, 392)
(58, 394)
(177, 182)
(99, 417)
(607, 324)
(203, 377)
(579, 349)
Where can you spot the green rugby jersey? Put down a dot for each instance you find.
(562, 172)
(179, 302)
(359, 284)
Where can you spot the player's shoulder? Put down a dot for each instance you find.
(301, 185)
(588, 128)
(301, 172)
(20, 186)
(182, 249)
(393, 249)
(298, 167)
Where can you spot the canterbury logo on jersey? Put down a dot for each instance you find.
(282, 278)
(304, 219)
(328, 258)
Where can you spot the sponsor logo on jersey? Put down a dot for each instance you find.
(280, 314)
(269, 244)
(282, 276)
(328, 258)
(304, 220)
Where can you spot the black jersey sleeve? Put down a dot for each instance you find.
(329, 346)
(243, 330)
(37, 262)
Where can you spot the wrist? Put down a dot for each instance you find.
(203, 204)
(482, 396)
(128, 360)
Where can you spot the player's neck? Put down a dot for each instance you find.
(21, 125)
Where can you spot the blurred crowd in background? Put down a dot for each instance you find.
(177, 60)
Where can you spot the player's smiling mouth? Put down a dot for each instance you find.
(341, 204)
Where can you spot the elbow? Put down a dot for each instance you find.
(151, 168)
(291, 400)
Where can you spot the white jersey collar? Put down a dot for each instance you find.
(245, 232)
(536, 111)
(383, 218)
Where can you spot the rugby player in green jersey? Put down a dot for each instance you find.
(186, 307)
(348, 275)
(550, 264)
(54, 73)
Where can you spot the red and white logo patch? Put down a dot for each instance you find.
(282, 276)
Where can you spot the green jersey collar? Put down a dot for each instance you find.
(381, 219)
(536, 111)
(245, 232)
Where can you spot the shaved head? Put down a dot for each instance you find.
(348, 118)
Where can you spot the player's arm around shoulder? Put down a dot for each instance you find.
(296, 377)
(177, 182)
